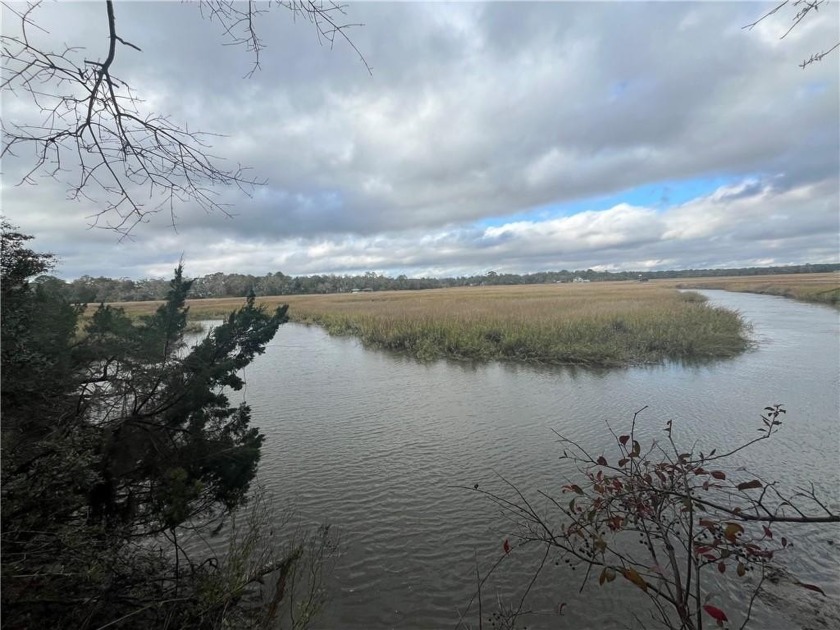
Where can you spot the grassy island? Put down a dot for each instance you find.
(597, 324)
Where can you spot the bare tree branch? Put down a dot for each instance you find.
(94, 133)
(800, 9)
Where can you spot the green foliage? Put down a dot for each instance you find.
(110, 438)
(37, 335)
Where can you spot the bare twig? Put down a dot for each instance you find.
(801, 9)
(94, 134)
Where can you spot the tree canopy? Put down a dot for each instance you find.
(114, 432)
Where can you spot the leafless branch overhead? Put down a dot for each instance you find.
(92, 132)
(800, 9)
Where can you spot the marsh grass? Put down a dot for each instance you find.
(603, 324)
(821, 288)
(597, 324)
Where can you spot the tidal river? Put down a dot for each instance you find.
(382, 447)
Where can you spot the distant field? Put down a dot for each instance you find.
(603, 324)
(823, 288)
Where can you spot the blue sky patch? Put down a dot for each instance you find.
(658, 196)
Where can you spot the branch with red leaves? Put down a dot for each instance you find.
(696, 523)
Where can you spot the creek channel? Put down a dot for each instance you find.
(387, 448)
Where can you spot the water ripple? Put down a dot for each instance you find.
(379, 444)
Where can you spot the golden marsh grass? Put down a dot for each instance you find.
(822, 288)
(604, 324)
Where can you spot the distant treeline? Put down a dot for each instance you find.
(91, 290)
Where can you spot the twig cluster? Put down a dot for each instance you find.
(665, 520)
(93, 133)
(801, 10)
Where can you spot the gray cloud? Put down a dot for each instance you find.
(475, 112)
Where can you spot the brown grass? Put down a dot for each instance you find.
(606, 323)
(823, 288)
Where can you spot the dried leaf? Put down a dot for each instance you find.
(749, 485)
(732, 530)
(631, 574)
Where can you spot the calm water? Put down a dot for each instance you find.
(377, 444)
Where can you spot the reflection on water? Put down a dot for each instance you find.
(382, 445)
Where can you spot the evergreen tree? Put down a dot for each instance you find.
(112, 434)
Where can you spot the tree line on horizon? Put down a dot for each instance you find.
(88, 289)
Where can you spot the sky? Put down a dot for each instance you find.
(506, 136)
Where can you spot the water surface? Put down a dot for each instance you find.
(377, 444)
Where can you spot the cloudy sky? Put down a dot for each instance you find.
(514, 137)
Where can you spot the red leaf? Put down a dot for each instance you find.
(767, 531)
(718, 474)
(749, 485)
(506, 546)
(715, 613)
(722, 567)
(623, 439)
(602, 461)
